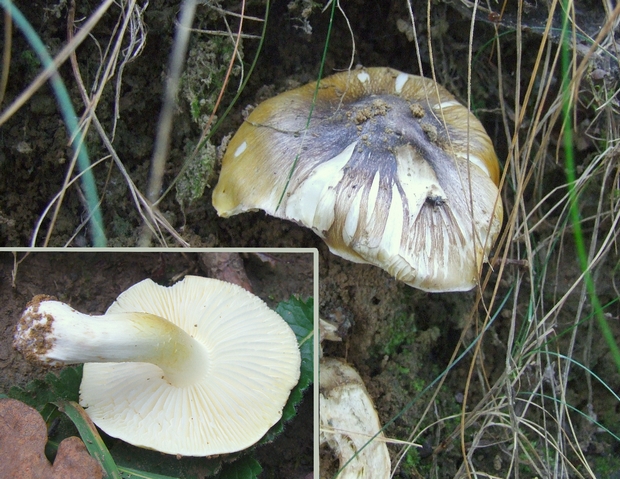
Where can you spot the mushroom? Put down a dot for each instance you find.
(388, 168)
(196, 369)
(350, 424)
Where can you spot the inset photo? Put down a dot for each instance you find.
(158, 363)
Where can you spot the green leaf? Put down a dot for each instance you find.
(132, 458)
(300, 317)
(39, 393)
(245, 468)
(129, 473)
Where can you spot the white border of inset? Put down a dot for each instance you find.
(315, 254)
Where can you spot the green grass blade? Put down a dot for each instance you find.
(575, 217)
(129, 473)
(90, 436)
(66, 107)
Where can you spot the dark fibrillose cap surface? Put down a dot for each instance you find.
(389, 169)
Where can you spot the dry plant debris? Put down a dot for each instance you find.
(23, 435)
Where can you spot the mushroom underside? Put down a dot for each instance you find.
(350, 424)
(196, 369)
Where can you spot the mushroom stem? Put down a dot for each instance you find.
(54, 333)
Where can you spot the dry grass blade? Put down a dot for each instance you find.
(130, 20)
(62, 56)
(122, 48)
(165, 122)
(162, 143)
(234, 57)
(525, 413)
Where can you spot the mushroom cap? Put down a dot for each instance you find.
(388, 168)
(349, 420)
(254, 362)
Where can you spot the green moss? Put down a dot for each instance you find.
(122, 227)
(400, 333)
(195, 109)
(418, 384)
(31, 60)
(205, 73)
(411, 463)
(197, 174)
(607, 466)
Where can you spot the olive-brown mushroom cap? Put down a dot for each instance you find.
(388, 168)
